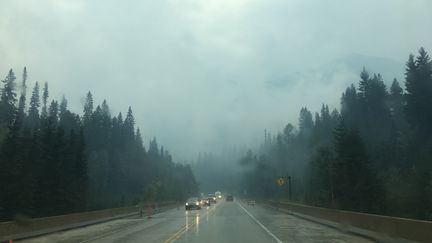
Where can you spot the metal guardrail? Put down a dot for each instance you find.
(378, 227)
(39, 226)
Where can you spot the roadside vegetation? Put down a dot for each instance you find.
(373, 154)
(54, 161)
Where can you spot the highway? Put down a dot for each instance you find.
(221, 222)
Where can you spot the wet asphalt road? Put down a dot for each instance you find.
(222, 222)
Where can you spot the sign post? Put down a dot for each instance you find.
(280, 181)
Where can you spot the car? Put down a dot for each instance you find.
(192, 203)
(218, 195)
(212, 198)
(205, 202)
(229, 198)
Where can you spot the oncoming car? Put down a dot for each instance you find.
(192, 203)
(212, 198)
(205, 202)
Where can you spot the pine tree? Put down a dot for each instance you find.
(45, 97)
(117, 136)
(305, 123)
(63, 106)
(350, 107)
(53, 113)
(8, 99)
(153, 148)
(106, 124)
(129, 124)
(88, 108)
(33, 113)
(10, 171)
(364, 82)
(321, 178)
(356, 187)
(22, 99)
(396, 104)
(81, 172)
(139, 139)
(419, 92)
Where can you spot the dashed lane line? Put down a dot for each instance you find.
(186, 227)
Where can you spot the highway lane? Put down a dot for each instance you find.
(223, 222)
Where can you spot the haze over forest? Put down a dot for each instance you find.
(209, 75)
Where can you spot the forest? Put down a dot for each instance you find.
(372, 155)
(54, 161)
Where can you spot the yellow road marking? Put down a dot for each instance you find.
(186, 227)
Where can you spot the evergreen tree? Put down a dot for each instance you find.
(22, 99)
(63, 106)
(88, 108)
(129, 124)
(321, 178)
(139, 139)
(305, 123)
(106, 125)
(153, 148)
(350, 108)
(8, 99)
(10, 171)
(396, 100)
(45, 97)
(33, 113)
(53, 113)
(419, 92)
(356, 186)
(364, 81)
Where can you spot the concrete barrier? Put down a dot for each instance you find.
(378, 227)
(26, 228)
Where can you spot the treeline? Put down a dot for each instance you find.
(54, 161)
(218, 171)
(374, 155)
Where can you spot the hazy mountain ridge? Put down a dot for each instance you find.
(346, 67)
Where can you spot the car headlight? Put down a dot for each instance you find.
(197, 203)
(187, 204)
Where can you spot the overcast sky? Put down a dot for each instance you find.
(202, 75)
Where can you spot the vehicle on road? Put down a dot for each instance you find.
(218, 195)
(229, 198)
(212, 198)
(205, 201)
(192, 203)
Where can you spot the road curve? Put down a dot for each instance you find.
(222, 222)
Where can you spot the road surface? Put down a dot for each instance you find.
(223, 222)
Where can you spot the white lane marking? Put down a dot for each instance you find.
(262, 226)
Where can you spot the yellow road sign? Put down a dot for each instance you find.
(280, 181)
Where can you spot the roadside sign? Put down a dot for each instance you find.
(280, 181)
